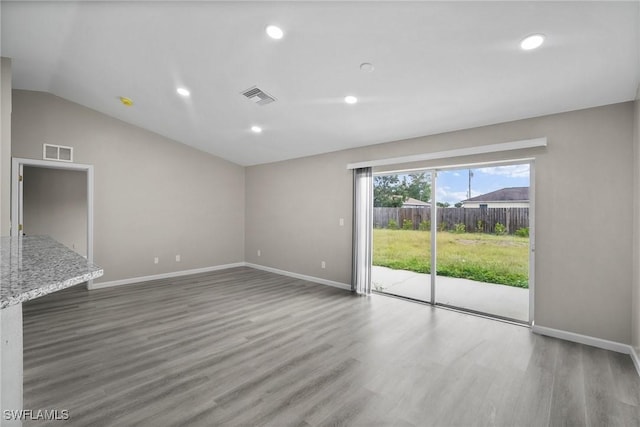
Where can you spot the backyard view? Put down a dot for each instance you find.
(486, 258)
(481, 238)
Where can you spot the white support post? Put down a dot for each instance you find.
(11, 365)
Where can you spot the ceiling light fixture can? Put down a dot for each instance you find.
(274, 32)
(531, 42)
(256, 129)
(367, 67)
(183, 91)
(350, 99)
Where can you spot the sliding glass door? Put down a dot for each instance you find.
(474, 224)
(483, 240)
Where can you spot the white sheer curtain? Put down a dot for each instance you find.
(362, 229)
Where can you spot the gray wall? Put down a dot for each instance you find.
(153, 196)
(5, 146)
(635, 339)
(5, 161)
(55, 204)
(584, 182)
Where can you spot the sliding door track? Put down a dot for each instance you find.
(459, 309)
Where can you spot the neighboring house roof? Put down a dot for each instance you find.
(511, 194)
(415, 202)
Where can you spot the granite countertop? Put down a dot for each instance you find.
(33, 266)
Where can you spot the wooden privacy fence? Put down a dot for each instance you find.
(485, 218)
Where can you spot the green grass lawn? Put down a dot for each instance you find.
(482, 257)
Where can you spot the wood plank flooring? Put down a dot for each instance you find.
(246, 347)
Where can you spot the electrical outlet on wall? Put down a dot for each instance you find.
(156, 260)
(259, 253)
(178, 258)
(341, 222)
(323, 264)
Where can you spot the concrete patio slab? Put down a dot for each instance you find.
(500, 300)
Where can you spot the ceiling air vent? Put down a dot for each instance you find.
(57, 152)
(258, 96)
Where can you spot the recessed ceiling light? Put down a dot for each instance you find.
(274, 32)
(532, 42)
(183, 92)
(256, 129)
(367, 67)
(350, 99)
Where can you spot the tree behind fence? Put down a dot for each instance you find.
(511, 218)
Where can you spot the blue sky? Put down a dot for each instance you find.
(453, 185)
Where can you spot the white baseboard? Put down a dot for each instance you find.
(588, 340)
(92, 286)
(139, 279)
(300, 276)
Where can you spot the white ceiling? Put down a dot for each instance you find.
(439, 66)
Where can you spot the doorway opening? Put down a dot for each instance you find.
(460, 237)
(55, 204)
(55, 199)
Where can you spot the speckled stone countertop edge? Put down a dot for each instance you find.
(48, 289)
(33, 266)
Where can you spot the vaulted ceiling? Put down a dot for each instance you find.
(437, 66)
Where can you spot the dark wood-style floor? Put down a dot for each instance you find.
(246, 347)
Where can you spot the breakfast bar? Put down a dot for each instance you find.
(32, 266)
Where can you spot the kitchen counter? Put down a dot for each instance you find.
(30, 267)
(33, 266)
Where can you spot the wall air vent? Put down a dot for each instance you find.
(57, 152)
(258, 96)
